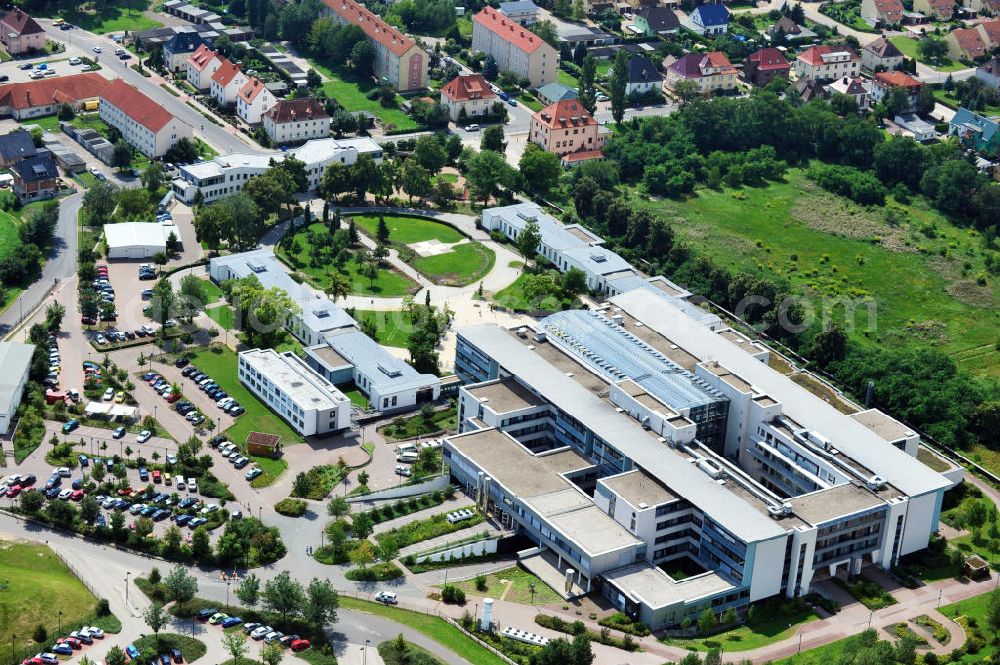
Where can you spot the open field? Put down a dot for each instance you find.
(220, 364)
(908, 45)
(519, 580)
(102, 16)
(464, 264)
(514, 297)
(393, 328)
(918, 275)
(224, 316)
(773, 627)
(407, 230)
(351, 95)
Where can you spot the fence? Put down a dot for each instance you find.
(460, 551)
(403, 491)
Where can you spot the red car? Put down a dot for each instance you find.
(299, 645)
(13, 491)
(34, 660)
(125, 491)
(72, 641)
(77, 495)
(173, 397)
(87, 321)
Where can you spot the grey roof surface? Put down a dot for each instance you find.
(642, 70)
(323, 315)
(386, 372)
(849, 436)
(15, 359)
(37, 168)
(638, 487)
(518, 7)
(17, 145)
(184, 42)
(554, 233)
(742, 519)
(829, 504)
(656, 589)
(505, 395)
(598, 260)
(557, 92)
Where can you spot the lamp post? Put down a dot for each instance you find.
(13, 658)
(800, 641)
(127, 573)
(871, 613)
(364, 652)
(940, 593)
(60, 622)
(227, 594)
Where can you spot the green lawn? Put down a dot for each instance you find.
(213, 293)
(191, 648)
(828, 247)
(416, 425)
(393, 328)
(824, 655)
(949, 99)
(225, 316)
(8, 233)
(567, 79)
(86, 178)
(389, 282)
(433, 627)
(102, 16)
(34, 572)
(221, 365)
(408, 230)
(519, 580)
(464, 264)
(513, 297)
(273, 468)
(973, 608)
(351, 96)
(773, 627)
(357, 398)
(409, 654)
(908, 45)
(530, 101)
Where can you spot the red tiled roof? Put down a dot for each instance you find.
(897, 79)
(582, 156)
(464, 88)
(716, 59)
(769, 59)
(565, 113)
(201, 58)
(508, 30)
(226, 72)
(814, 54)
(990, 30)
(889, 6)
(127, 99)
(942, 6)
(290, 110)
(970, 41)
(44, 92)
(20, 23)
(251, 89)
(376, 29)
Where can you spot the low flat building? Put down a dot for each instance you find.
(827, 63)
(227, 174)
(468, 96)
(301, 397)
(515, 48)
(34, 99)
(201, 66)
(566, 128)
(296, 120)
(144, 123)
(253, 101)
(522, 12)
(15, 358)
(177, 51)
(881, 54)
(35, 178)
(138, 240)
(19, 33)
(920, 129)
(551, 93)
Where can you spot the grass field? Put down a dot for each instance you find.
(513, 297)
(950, 100)
(273, 468)
(394, 328)
(433, 627)
(102, 16)
(8, 233)
(774, 627)
(519, 580)
(389, 282)
(213, 293)
(408, 230)
(351, 95)
(908, 45)
(464, 264)
(829, 248)
(221, 364)
(973, 608)
(224, 316)
(567, 79)
(34, 572)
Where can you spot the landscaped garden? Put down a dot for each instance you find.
(767, 623)
(430, 527)
(866, 592)
(427, 421)
(516, 583)
(352, 95)
(910, 47)
(981, 645)
(392, 328)
(533, 292)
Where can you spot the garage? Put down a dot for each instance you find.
(138, 240)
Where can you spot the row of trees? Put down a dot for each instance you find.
(22, 264)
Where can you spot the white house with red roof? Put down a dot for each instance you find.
(144, 123)
(296, 120)
(398, 59)
(514, 47)
(883, 83)
(827, 62)
(33, 99)
(471, 94)
(227, 82)
(201, 66)
(253, 101)
(568, 130)
(19, 33)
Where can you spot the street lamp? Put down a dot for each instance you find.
(227, 594)
(871, 613)
(127, 573)
(13, 658)
(60, 622)
(364, 652)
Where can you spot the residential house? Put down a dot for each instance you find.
(966, 44)
(989, 72)
(711, 71)
(808, 89)
(852, 87)
(915, 125)
(983, 7)
(881, 54)
(990, 32)
(177, 51)
(522, 12)
(827, 63)
(566, 128)
(643, 77)
(709, 19)
(976, 131)
(882, 12)
(399, 61)
(765, 64)
(35, 178)
(19, 33)
(253, 101)
(296, 120)
(144, 123)
(33, 99)
(884, 82)
(467, 96)
(201, 66)
(15, 146)
(514, 48)
(785, 29)
(940, 10)
(654, 20)
(227, 81)
(555, 92)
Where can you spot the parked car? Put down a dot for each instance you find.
(206, 614)
(70, 425)
(119, 433)
(387, 598)
(144, 436)
(299, 645)
(254, 473)
(259, 633)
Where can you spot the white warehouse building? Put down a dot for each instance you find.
(308, 402)
(138, 240)
(15, 359)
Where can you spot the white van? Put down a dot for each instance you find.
(406, 448)
(407, 458)
(180, 483)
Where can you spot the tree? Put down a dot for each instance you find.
(201, 545)
(183, 151)
(361, 525)
(993, 612)
(430, 154)
(540, 170)
(617, 83)
(283, 595)
(322, 602)
(338, 507)
(248, 590)
(492, 139)
(100, 201)
(235, 644)
(490, 68)
(89, 508)
(271, 654)
(363, 58)
(706, 621)
(180, 585)
(116, 656)
(312, 79)
(547, 31)
(586, 92)
(122, 156)
(529, 240)
(32, 502)
(54, 314)
(270, 190)
(66, 112)
(153, 176)
(582, 653)
(162, 302)
(339, 286)
(925, 100)
(364, 174)
(487, 172)
(416, 180)
(386, 550)
(362, 555)
(932, 48)
(156, 617)
(574, 281)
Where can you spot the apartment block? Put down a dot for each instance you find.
(296, 120)
(514, 47)
(826, 63)
(145, 124)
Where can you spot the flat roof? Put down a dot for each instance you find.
(505, 395)
(307, 388)
(139, 234)
(592, 529)
(649, 585)
(329, 356)
(15, 359)
(884, 425)
(385, 371)
(846, 434)
(829, 504)
(638, 487)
